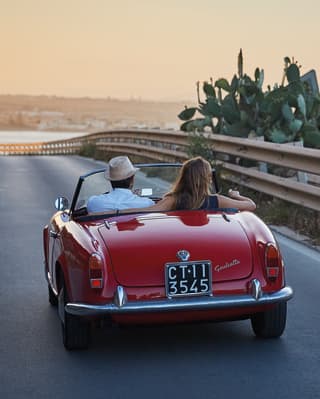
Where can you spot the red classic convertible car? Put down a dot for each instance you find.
(168, 267)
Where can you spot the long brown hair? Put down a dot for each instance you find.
(193, 184)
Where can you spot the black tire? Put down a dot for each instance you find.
(271, 323)
(75, 331)
(53, 299)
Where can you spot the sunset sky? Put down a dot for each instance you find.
(149, 49)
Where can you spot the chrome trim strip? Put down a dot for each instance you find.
(177, 304)
(50, 282)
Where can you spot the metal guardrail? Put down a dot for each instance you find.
(171, 146)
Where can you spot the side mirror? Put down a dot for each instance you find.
(61, 203)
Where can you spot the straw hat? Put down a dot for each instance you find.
(119, 168)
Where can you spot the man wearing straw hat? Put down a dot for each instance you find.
(120, 172)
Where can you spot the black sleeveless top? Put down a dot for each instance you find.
(211, 202)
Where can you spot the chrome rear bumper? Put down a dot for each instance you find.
(122, 306)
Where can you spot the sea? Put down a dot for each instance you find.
(32, 136)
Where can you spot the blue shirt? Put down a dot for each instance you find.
(118, 198)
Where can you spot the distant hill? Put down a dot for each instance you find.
(61, 113)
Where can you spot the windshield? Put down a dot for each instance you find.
(151, 181)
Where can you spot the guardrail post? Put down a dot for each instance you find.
(263, 166)
(301, 176)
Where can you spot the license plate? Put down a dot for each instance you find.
(188, 278)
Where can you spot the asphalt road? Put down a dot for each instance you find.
(221, 360)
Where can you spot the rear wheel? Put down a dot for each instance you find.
(75, 331)
(271, 323)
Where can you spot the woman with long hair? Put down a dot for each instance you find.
(192, 190)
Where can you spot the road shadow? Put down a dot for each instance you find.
(178, 339)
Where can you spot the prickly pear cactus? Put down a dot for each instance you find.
(288, 112)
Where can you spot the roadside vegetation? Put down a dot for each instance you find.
(290, 111)
(89, 150)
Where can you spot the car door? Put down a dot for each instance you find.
(55, 226)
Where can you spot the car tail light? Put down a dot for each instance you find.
(273, 261)
(96, 271)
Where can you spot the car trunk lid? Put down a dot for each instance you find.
(141, 246)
